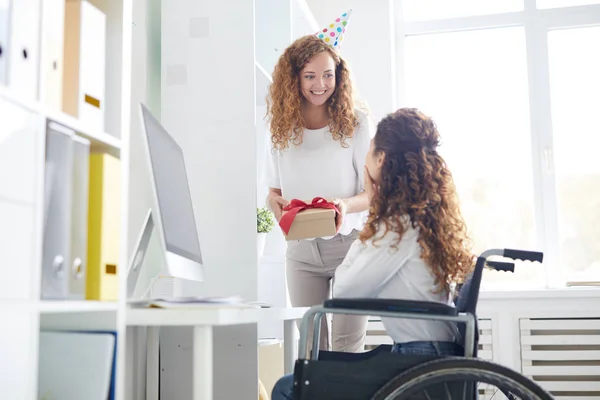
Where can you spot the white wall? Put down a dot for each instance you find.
(208, 106)
(145, 87)
(368, 47)
(210, 112)
(139, 190)
(303, 21)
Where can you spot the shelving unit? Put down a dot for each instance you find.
(101, 142)
(30, 107)
(22, 219)
(66, 306)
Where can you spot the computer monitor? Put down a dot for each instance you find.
(171, 217)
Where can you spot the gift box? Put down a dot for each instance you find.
(308, 220)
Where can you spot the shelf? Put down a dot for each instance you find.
(78, 315)
(562, 293)
(100, 141)
(263, 71)
(213, 316)
(269, 341)
(68, 306)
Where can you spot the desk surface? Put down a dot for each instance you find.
(210, 316)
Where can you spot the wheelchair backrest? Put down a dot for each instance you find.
(467, 298)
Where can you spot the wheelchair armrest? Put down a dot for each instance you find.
(392, 305)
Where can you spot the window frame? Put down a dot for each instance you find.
(537, 24)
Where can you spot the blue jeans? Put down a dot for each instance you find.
(284, 387)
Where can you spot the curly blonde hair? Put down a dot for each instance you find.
(285, 99)
(416, 183)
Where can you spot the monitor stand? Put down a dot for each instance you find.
(152, 272)
(139, 254)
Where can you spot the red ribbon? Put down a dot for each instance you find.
(295, 206)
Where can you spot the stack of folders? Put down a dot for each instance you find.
(54, 51)
(20, 44)
(77, 365)
(81, 219)
(66, 188)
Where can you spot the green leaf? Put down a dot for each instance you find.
(264, 220)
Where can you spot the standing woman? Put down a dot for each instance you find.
(319, 143)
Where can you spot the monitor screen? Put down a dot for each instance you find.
(172, 190)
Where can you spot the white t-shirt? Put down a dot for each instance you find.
(321, 167)
(380, 271)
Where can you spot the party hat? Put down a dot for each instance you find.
(333, 34)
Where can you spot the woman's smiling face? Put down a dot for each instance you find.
(317, 79)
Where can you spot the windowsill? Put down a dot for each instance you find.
(541, 293)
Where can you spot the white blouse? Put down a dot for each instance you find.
(380, 271)
(321, 167)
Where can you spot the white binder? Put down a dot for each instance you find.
(23, 57)
(51, 53)
(57, 219)
(79, 218)
(4, 31)
(85, 60)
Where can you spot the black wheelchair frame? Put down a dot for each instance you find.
(377, 373)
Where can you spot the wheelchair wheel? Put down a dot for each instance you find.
(460, 378)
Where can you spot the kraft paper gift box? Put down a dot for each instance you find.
(308, 220)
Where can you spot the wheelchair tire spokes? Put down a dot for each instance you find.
(459, 379)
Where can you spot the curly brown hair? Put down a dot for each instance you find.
(285, 99)
(416, 183)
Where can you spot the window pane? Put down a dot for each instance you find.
(421, 10)
(564, 3)
(575, 87)
(474, 84)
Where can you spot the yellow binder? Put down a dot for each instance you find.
(103, 227)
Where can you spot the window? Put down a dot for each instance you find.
(564, 3)
(518, 108)
(575, 89)
(419, 10)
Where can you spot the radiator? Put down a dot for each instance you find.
(562, 355)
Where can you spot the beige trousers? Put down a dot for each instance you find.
(310, 268)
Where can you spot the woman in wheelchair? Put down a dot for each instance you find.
(414, 242)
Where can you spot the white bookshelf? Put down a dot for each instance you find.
(25, 313)
(25, 310)
(100, 141)
(73, 307)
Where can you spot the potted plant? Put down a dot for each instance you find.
(264, 223)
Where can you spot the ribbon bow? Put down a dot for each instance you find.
(295, 206)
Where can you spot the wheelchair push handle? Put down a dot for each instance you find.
(501, 266)
(524, 255)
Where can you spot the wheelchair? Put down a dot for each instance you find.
(379, 374)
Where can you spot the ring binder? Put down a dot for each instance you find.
(58, 190)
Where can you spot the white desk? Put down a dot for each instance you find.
(203, 319)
